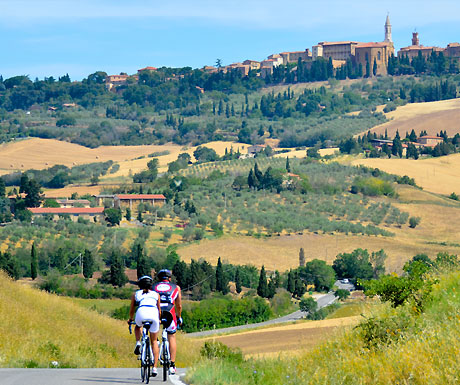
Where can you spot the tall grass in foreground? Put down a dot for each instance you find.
(407, 349)
(37, 328)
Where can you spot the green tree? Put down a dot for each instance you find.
(353, 265)
(128, 214)
(320, 274)
(88, 264)
(271, 289)
(308, 305)
(221, 281)
(288, 166)
(262, 288)
(2, 188)
(117, 271)
(290, 285)
(142, 265)
(301, 257)
(112, 216)
(374, 67)
(238, 287)
(33, 262)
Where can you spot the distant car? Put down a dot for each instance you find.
(345, 280)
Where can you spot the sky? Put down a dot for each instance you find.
(53, 37)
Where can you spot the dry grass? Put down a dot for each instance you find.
(43, 153)
(300, 336)
(133, 166)
(40, 328)
(432, 117)
(440, 175)
(282, 252)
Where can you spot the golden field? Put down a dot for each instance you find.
(39, 154)
(439, 175)
(290, 338)
(41, 328)
(431, 117)
(434, 234)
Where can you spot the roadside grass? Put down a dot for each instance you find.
(426, 353)
(350, 309)
(40, 328)
(103, 306)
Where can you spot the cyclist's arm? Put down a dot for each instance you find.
(159, 308)
(178, 303)
(132, 308)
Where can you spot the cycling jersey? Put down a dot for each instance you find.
(147, 309)
(168, 293)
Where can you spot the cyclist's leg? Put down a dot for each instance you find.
(172, 346)
(156, 349)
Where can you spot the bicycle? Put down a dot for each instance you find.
(146, 356)
(165, 357)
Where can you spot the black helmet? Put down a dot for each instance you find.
(145, 282)
(163, 274)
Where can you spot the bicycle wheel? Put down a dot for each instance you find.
(143, 362)
(165, 363)
(147, 361)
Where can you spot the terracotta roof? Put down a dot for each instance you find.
(420, 48)
(140, 196)
(431, 137)
(373, 45)
(337, 42)
(147, 69)
(66, 210)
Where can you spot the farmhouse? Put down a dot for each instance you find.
(429, 141)
(73, 202)
(95, 214)
(132, 201)
(252, 150)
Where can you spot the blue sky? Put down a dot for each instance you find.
(53, 37)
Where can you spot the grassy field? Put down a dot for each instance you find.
(426, 353)
(286, 338)
(41, 328)
(432, 235)
(440, 175)
(432, 117)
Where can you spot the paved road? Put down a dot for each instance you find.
(79, 377)
(322, 301)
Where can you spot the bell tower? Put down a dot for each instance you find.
(388, 30)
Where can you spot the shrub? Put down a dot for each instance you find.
(413, 222)
(218, 350)
(308, 305)
(342, 294)
(372, 186)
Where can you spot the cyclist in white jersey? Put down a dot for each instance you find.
(148, 309)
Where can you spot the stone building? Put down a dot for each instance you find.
(413, 50)
(374, 52)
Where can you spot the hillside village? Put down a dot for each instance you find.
(374, 55)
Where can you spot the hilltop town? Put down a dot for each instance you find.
(372, 57)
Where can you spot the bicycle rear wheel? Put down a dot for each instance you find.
(147, 362)
(165, 363)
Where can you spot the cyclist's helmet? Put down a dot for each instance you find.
(145, 282)
(163, 274)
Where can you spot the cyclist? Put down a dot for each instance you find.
(149, 309)
(171, 308)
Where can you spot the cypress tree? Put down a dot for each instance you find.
(290, 283)
(117, 271)
(180, 272)
(288, 166)
(271, 289)
(238, 280)
(301, 257)
(221, 284)
(374, 68)
(262, 288)
(88, 264)
(141, 261)
(33, 262)
(128, 214)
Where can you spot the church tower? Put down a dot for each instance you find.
(388, 30)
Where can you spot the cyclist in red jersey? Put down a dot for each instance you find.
(171, 308)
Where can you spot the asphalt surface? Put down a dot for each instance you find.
(322, 301)
(80, 377)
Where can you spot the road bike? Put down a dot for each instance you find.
(165, 357)
(146, 356)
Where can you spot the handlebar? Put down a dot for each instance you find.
(130, 324)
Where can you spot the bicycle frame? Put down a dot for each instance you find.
(146, 356)
(165, 357)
